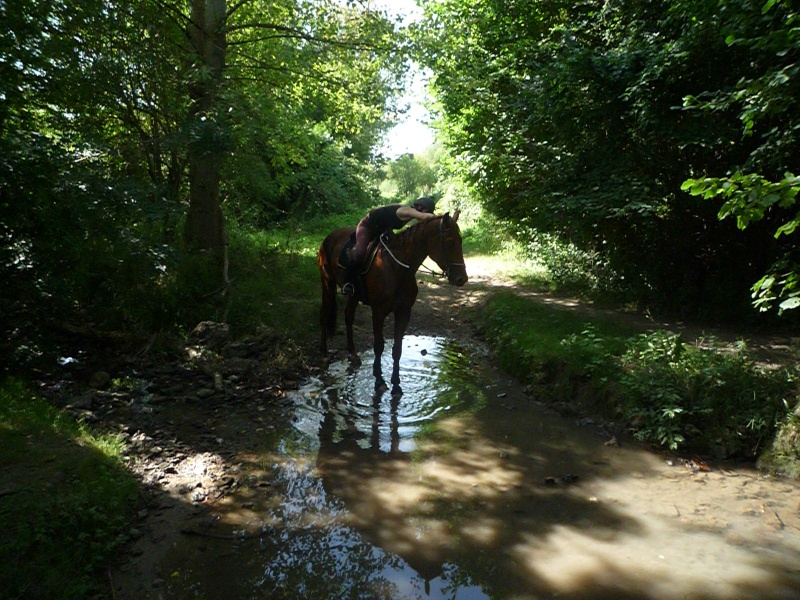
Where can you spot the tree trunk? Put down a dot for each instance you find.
(204, 227)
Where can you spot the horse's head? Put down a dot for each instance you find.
(446, 250)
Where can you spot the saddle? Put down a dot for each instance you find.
(345, 256)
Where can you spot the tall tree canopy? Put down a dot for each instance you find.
(577, 119)
(120, 121)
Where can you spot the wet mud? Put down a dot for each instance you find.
(463, 488)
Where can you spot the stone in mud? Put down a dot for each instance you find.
(100, 380)
(204, 393)
(210, 334)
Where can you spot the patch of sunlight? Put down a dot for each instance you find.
(657, 565)
(504, 266)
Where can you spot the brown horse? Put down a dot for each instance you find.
(390, 284)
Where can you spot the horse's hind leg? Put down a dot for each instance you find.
(327, 311)
(378, 346)
(401, 319)
(349, 317)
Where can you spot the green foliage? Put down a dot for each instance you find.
(310, 93)
(529, 339)
(749, 198)
(783, 458)
(97, 122)
(67, 503)
(275, 281)
(573, 270)
(761, 186)
(413, 176)
(484, 235)
(75, 240)
(703, 398)
(570, 119)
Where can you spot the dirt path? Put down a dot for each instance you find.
(771, 348)
(195, 433)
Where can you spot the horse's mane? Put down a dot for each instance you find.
(410, 233)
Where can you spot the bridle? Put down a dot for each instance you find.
(447, 264)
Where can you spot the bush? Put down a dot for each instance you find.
(700, 399)
(709, 400)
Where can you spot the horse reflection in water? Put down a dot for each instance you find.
(353, 463)
(390, 284)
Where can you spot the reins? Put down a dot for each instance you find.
(425, 268)
(386, 247)
(447, 262)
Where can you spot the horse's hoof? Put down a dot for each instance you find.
(355, 360)
(396, 391)
(380, 385)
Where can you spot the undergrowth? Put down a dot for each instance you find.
(703, 399)
(66, 503)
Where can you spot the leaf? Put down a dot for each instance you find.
(787, 228)
(767, 6)
(698, 188)
(790, 303)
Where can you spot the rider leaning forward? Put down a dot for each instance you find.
(379, 221)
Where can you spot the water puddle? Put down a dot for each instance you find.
(437, 380)
(465, 488)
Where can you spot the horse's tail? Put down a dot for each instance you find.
(328, 309)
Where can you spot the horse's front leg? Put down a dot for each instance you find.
(378, 345)
(349, 317)
(401, 319)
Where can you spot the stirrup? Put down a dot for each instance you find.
(348, 289)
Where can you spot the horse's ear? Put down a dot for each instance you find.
(455, 215)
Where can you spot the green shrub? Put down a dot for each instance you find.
(573, 270)
(711, 400)
(702, 399)
(554, 348)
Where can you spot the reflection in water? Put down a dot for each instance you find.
(458, 491)
(307, 541)
(362, 434)
(437, 378)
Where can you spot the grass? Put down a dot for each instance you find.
(275, 277)
(532, 342)
(66, 503)
(717, 403)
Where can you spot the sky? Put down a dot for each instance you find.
(411, 134)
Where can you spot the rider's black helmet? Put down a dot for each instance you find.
(426, 202)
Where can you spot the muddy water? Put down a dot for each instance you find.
(467, 489)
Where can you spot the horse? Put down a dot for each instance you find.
(389, 285)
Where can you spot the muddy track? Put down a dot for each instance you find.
(195, 430)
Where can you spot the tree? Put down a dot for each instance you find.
(765, 99)
(114, 117)
(414, 177)
(207, 33)
(569, 120)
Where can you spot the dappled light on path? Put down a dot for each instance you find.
(466, 487)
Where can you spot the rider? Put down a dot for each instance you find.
(377, 222)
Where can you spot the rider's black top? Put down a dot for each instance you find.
(385, 219)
